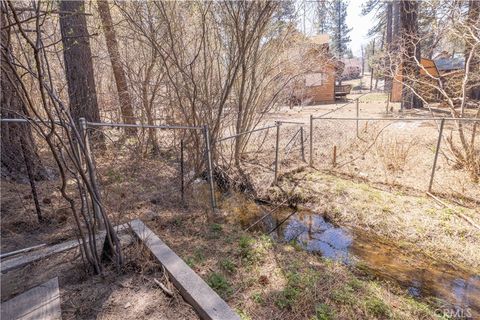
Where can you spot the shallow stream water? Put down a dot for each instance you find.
(459, 290)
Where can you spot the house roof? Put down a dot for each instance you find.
(446, 64)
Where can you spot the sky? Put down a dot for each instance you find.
(359, 24)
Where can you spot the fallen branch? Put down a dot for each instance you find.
(266, 215)
(167, 291)
(278, 225)
(461, 215)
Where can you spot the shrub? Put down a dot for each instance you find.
(218, 283)
(323, 312)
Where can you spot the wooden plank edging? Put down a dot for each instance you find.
(40, 302)
(22, 260)
(206, 302)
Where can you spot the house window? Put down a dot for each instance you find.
(315, 79)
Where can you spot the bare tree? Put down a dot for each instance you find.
(389, 40)
(227, 71)
(118, 72)
(16, 138)
(453, 88)
(470, 46)
(56, 126)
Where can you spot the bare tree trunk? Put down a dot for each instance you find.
(29, 166)
(410, 52)
(473, 21)
(339, 35)
(389, 38)
(13, 106)
(148, 106)
(363, 61)
(396, 22)
(371, 69)
(78, 61)
(382, 43)
(118, 72)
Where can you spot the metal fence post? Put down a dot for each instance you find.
(439, 141)
(206, 132)
(311, 141)
(91, 172)
(302, 146)
(182, 183)
(358, 115)
(388, 102)
(334, 160)
(277, 143)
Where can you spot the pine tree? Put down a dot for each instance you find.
(19, 158)
(330, 18)
(339, 28)
(77, 56)
(411, 52)
(322, 16)
(124, 99)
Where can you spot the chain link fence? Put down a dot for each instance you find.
(152, 166)
(266, 152)
(400, 152)
(30, 193)
(169, 165)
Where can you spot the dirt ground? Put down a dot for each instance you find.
(130, 293)
(20, 227)
(263, 279)
(260, 278)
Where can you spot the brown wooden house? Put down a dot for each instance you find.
(449, 70)
(317, 84)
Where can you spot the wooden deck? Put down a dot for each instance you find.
(41, 302)
(342, 91)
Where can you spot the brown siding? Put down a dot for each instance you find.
(397, 87)
(326, 92)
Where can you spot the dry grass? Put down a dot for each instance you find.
(358, 157)
(416, 222)
(263, 279)
(394, 155)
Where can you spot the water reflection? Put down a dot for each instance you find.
(422, 279)
(314, 234)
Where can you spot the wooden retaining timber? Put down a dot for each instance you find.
(41, 302)
(16, 252)
(204, 300)
(22, 260)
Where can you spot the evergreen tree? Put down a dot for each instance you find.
(77, 56)
(378, 8)
(322, 16)
(339, 28)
